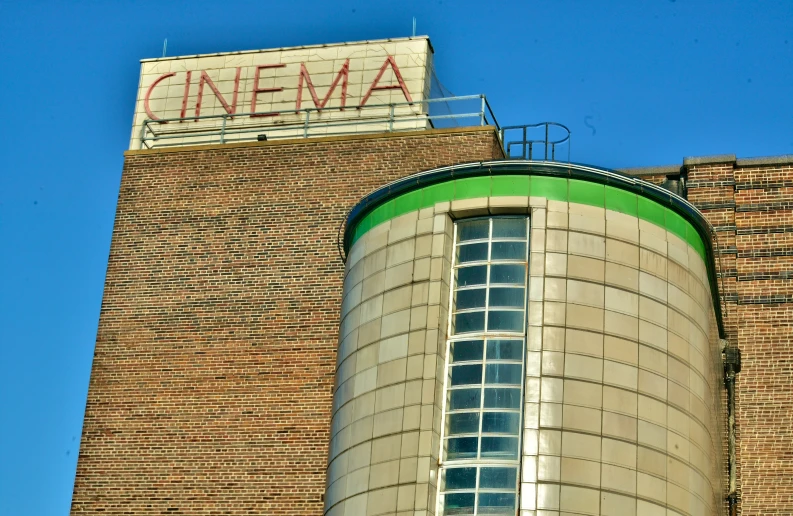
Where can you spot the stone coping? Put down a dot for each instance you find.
(651, 171)
(299, 47)
(784, 159)
(317, 139)
(709, 160)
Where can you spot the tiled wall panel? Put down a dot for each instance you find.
(387, 404)
(623, 365)
(623, 379)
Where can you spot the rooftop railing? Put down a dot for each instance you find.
(535, 141)
(313, 122)
(548, 141)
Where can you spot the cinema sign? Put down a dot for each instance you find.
(273, 86)
(304, 79)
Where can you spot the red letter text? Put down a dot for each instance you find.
(344, 73)
(257, 90)
(157, 81)
(205, 79)
(186, 93)
(375, 86)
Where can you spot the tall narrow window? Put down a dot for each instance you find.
(484, 383)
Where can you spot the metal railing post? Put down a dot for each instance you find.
(370, 122)
(527, 144)
(143, 133)
(546, 142)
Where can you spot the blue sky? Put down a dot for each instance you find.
(640, 83)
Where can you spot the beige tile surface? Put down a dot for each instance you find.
(623, 301)
(587, 223)
(618, 478)
(652, 286)
(579, 500)
(585, 293)
(583, 342)
(581, 418)
(621, 350)
(613, 504)
(581, 472)
(618, 453)
(583, 367)
(585, 394)
(620, 375)
(555, 241)
(621, 325)
(624, 368)
(586, 268)
(583, 244)
(550, 442)
(621, 252)
(584, 317)
(578, 445)
(620, 400)
(619, 425)
(622, 276)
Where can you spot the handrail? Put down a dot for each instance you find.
(305, 123)
(527, 145)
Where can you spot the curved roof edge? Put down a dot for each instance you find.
(602, 176)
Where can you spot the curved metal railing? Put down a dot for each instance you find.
(528, 146)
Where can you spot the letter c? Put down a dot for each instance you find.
(148, 94)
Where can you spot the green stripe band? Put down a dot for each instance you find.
(553, 188)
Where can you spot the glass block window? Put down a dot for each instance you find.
(484, 383)
(490, 272)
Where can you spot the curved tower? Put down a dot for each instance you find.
(524, 337)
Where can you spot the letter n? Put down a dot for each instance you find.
(205, 79)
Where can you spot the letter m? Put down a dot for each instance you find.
(343, 75)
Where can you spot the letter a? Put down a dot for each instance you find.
(400, 86)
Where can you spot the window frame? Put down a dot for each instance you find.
(485, 335)
(488, 285)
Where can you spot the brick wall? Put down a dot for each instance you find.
(751, 207)
(212, 379)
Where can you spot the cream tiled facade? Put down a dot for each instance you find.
(173, 95)
(622, 394)
(388, 400)
(621, 401)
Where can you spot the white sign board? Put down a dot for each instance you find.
(286, 92)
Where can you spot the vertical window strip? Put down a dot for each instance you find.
(483, 403)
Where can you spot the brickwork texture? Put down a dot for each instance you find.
(751, 208)
(212, 382)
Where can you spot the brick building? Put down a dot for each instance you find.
(322, 310)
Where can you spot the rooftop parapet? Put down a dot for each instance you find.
(289, 92)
